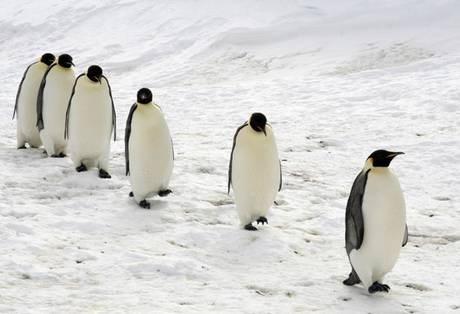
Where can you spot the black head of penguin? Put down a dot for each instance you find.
(144, 96)
(383, 158)
(48, 59)
(258, 122)
(65, 61)
(94, 73)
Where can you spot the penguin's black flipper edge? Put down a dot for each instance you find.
(128, 134)
(354, 222)
(20, 88)
(406, 237)
(231, 156)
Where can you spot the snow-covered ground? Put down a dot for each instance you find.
(337, 80)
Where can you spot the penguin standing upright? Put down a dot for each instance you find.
(375, 222)
(26, 102)
(53, 97)
(90, 121)
(148, 149)
(254, 171)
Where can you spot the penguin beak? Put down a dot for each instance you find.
(262, 129)
(99, 79)
(393, 155)
(72, 63)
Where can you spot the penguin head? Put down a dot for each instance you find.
(94, 73)
(48, 59)
(382, 158)
(144, 96)
(65, 61)
(257, 121)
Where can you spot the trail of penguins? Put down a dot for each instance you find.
(63, 112)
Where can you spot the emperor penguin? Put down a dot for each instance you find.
(254, 171)
(26, 102)
(90, 121)
(53, 97)
(375, 222)
(148, 149)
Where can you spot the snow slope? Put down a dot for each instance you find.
(337, 80)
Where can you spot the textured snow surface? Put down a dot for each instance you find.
(337, 80)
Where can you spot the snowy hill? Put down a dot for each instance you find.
(337, 80)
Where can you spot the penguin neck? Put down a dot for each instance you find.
(149, 106)
(369, 166)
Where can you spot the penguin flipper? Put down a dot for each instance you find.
(231, 156)
(41, 90)
(19, 89)
(281, 178)
(354, 222)
(67, 113)
(406, 237)
(114, 115)
(128, 134)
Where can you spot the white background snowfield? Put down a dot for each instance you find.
(337, 80)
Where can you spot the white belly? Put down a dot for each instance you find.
(255, 174)
(150, 152)
(59, 83)
(384, 214)
(27, 102)
(90, 122)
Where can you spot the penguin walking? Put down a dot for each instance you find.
(53, 97)
(148, 149)
(90, 121)
(254, 171)
(26, 102)
(375, 222)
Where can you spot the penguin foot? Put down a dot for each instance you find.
(262, 220)
(164, 193)
(250, 227)
(131, 194)
(378, 287)
(353, 279)
(81, 168)
(144, 204)
(104, 174)
(22, 147)
(60, 155)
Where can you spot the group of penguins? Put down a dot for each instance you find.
(65, 112)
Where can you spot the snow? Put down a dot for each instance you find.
(337, 80)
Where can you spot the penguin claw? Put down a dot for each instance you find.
(22, 147)
(250, 227)
(104, 174)
(378, 287)
(164, 193)
(352, 279)
(144, 204)
(60, 155)
(262, 220)
(81, 168)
